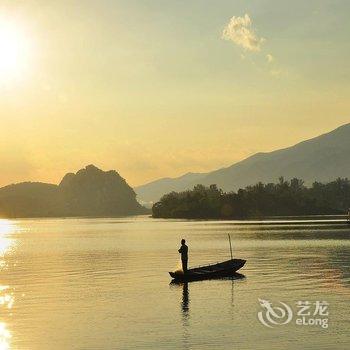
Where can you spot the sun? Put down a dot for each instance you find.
(15, 49)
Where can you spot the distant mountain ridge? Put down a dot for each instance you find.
(90, 192)
(322, 158)
(157, 188)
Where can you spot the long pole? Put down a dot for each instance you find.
(229, 239)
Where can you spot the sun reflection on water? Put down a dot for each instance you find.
(7, 227)
(7, 299)
(5, 337)
(6, 302)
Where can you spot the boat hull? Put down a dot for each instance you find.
(219, 270)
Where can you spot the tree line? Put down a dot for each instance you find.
(284, 198)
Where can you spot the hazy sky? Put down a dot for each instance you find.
(160, 88)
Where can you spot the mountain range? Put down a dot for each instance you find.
(90, 192)
(322, 159)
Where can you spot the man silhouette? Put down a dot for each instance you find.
(184, 255)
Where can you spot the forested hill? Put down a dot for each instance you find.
(89, 192)
(285, 198)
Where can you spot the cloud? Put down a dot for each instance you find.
(239, 30)
(270, 58)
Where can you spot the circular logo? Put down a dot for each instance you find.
(274, 315)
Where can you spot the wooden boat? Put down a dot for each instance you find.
(222, 269)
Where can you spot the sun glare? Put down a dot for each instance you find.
(15, 50)
(6, 228)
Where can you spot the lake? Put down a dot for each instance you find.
(104, 284)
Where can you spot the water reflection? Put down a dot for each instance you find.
(6, 302)
(7, 227)
(185, 309)
(7, 299)
(5, 336)
(185, 312)
(185, 300)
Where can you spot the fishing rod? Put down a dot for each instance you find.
(229, 239)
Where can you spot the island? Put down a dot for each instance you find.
(90, 192)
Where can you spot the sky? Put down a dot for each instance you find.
(161, 88)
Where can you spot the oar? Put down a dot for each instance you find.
(229, 239)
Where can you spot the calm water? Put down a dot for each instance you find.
(103, 284)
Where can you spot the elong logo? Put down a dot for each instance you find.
(309, 314)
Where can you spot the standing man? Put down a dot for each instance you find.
(184, 255)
